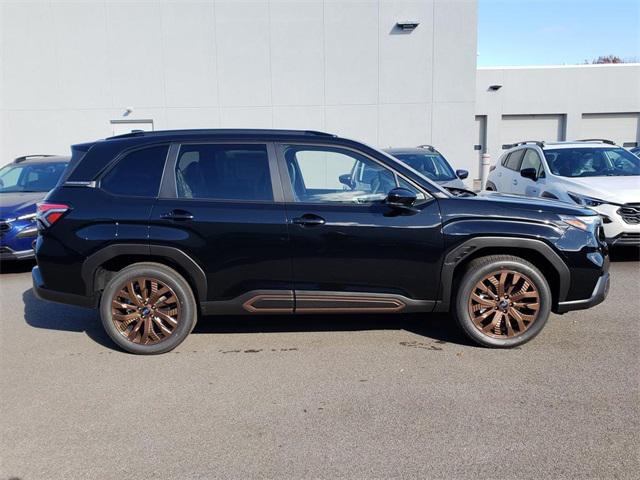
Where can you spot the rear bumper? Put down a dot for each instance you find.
(44, 293)
(599, 294)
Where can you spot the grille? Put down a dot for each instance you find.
(4, 228)
(630, 213)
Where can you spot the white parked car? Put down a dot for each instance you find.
(595, 173)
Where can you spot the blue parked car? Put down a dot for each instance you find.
(23, 183)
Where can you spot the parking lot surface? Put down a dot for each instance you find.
(321, 397)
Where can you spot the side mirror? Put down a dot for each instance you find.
(345, 179)
(401, 198)
(529, 173)
(462, 174)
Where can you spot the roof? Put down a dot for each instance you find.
(224, 132)
(42, 159)
(586, 143)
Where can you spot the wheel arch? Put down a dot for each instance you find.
(99, 267)
(535, 251)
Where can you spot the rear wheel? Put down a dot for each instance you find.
(502, 301)
(148, 308)
(491, 187)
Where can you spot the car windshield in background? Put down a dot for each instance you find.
(30, 177)
(431, 165)
(592, 162)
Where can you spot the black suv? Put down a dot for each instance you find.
(159, 228)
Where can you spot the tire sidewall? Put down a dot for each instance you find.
(473, 277)
(183, 293)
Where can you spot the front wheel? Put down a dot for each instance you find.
(148, 308)
(502, 301)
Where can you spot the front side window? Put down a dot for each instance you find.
(592, 162)
(514, 159)
(531, 159)
(138, 173)
(430, 164)
(334, 175)
(30, 177)
(224, 172)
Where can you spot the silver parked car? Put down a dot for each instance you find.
(430, 163)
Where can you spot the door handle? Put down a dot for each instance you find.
(177, 215)
(515, 182)
(308, 220)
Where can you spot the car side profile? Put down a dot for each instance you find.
(594, 173)
(23, 183)
(157, 229)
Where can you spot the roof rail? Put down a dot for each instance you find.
(507, 146)
(601, 140)
(220, 131)
(27, 157)
(428, 147)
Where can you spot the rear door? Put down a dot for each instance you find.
(510, 172)
(221, 204)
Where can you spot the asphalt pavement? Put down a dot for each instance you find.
(320, 397)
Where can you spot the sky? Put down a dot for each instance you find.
(547, 32)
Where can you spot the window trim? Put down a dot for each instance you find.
(287, 188)
(506, 161)
(169, 186)
(121, 156)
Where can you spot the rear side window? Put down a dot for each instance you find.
(224, 172)
(514, 160)
(137, 174)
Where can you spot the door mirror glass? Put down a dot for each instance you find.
(462, 174)
(401, 198)
(529, 173)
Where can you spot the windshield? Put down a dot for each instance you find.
(592, 162)
(431, 164)
(31, 177)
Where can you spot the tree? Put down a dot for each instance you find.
(606, 59)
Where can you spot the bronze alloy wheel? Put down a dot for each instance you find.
(145, 311)
(504, 304)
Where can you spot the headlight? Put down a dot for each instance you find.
(584, 200)
(28, 216)
(588, 223)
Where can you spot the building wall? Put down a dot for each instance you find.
(69, 68)
(558, 103)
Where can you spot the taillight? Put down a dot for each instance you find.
(50, 213)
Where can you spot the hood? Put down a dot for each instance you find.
(532, 204)
(14, 204)
(622, 189)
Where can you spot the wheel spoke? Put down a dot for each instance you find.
(483, 301)
(166, 318)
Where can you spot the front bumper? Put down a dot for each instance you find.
(625, 239)
(44, 293)
(599, 294)
(7, 253)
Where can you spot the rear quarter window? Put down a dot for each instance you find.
(138, 173)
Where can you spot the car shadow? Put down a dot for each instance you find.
(624, 254)
(55, 316)
(16, 266)
(438, 327)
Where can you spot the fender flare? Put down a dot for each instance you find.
(550, 195)
(176, 255)
(462, 251)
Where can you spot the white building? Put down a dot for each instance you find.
(74, 71)
(71, 70)
(557, 103)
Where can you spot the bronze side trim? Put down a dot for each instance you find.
(253, 304)
(311, 303)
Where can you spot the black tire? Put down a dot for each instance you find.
(181, 294)
(484, 267)
(490, 187)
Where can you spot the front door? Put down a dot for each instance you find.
(351, 251)
(527, 186)
(219, 204)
